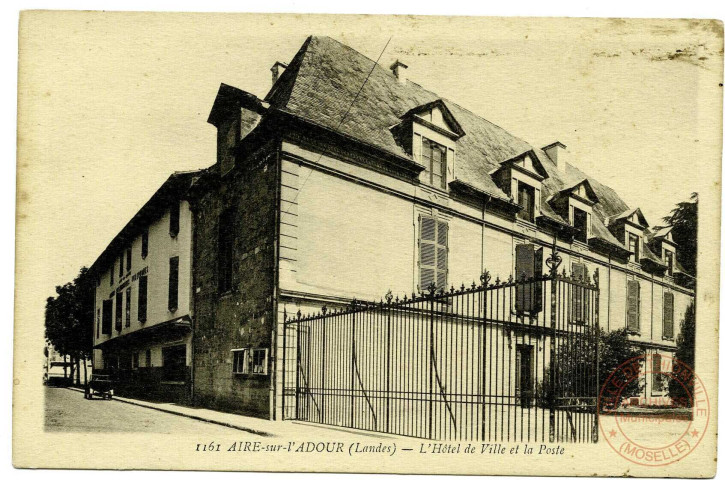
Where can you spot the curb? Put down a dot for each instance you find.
(187, 415)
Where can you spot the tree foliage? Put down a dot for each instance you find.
(576, 374)
(683, 220)
(681, 381)
(69, 318)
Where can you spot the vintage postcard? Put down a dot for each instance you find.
(447, 245)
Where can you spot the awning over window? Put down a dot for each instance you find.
(174, 329)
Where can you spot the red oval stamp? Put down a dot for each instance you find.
(656, 429)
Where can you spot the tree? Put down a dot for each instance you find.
(681, 381)
(683, 220)
(576, 358)
(69, 321)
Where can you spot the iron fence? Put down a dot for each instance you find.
(499, 361)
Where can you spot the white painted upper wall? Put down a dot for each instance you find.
(356, 236)
(161, 248)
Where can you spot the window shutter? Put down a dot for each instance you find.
(668, 326)
(633, 305)
(538, 273)
(128, 307)
(142, 297)
(427, 251)
(107, 317)
(525, 266)
(173, 283)
(128, 259)
(451, 163)
(657, 380)
(442, 255)
(174, 219)
(119, 310)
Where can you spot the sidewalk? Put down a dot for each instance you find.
(256, 426)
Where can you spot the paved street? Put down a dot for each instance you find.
(67, 411)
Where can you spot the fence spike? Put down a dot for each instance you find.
(498, 281)
(324, 309)
(299, 314)
(485, 278)
(595, 277)
(389, 296)
(453, 289)
(473, 285)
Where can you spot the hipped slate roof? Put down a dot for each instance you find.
(325, 76)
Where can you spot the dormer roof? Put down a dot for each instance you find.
(451, 124)
(582, 190)
(517, 161)
(633, 215)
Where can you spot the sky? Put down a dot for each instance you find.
(111, 104)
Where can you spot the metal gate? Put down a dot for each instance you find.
(509, 361)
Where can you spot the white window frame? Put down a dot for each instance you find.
(247, 359)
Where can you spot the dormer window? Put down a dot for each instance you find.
(434, 159)
(521, 177)
(629, 228)
(633, 248)
(670, 261)
(527, 202)
(429, 132)
(580, 223)
(575, 204)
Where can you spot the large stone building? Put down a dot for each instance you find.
(328, 189)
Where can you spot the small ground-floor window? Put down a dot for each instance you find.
(250, 361)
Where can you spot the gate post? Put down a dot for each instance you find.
(352, 368)
(553, 263)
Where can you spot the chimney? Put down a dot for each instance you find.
(399, 70)
(557, 153)
(277, 70)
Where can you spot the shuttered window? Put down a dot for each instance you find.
(668, 320)
(113, 272)
(107, 312)
(633, 305)
(634, 248)
(529, 264)
(128, 307)
(579, 296)
(174, 219)
(581, 225)
(657, 376)
(669, 260)
(120, 266)
(128, 260)
(433, 246)
(173, 283)
(527, 196)
(143, 285)
(119, 310)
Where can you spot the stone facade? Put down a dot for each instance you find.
(241, 317)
